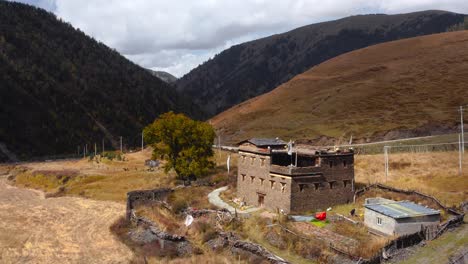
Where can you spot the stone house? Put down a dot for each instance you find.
(388, 217)
(308, 179)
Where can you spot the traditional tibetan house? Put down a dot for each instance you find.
(301, 179)
(388, 217)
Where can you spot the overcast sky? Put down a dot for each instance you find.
(176, 36)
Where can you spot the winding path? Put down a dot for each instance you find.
(214, 199)
(57, 230)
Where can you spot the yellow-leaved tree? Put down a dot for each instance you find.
(184, 143)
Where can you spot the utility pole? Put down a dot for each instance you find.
(142, 142)
(219, 146)
(95, 149)
(460, 159)
(462, 130)
(103, 146)
(386, 162)
(84, 152)
(121, 151)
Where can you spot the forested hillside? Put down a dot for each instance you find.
(253, 68)
(60, 89)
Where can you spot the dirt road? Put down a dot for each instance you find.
(57, 230)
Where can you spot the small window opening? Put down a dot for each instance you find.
(302, 187)
(316, 186)
(252, 159)
(263, 162)
(261, 181)
(330, 163)
(379, 221)
(345, 164)
(332, 184)
(252, 178)
(283, 186)
(272, 184)
(243, 158)
(243, 177)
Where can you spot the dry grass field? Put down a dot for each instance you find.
(103, 180)
(34, 229)
(434, 173)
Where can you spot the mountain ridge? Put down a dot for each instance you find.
(61, 89)
(165, 76)
(255, 67)
(409, 87)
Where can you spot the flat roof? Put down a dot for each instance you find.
(401, 209)
(262, 142)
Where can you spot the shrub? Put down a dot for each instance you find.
(179, 205)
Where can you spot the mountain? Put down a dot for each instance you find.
(61, 89)
(253, 68)
(165, 76)
(409, 87)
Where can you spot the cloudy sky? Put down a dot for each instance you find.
(177, 35)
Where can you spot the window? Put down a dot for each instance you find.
(243, 158)
(283, 186)
(316, 162)
(272, 184)
(243, 177)
(330, 163)
(302, 187)
(316, 185)
(263, 162)
(345, 165)
(346, 183)
(252, 159)
(252, 178)
(261, 181)
(332, 184)
(379, 221)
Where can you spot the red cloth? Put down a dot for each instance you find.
(321, 215)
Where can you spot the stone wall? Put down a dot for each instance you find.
(319, 195)
(331, 184)
(159, 195)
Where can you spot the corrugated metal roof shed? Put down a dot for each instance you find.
(402, 209)
(262, 142)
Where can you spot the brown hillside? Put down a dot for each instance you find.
(406, 87)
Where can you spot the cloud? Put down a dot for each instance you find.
(178, 35)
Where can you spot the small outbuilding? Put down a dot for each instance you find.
(388, 217)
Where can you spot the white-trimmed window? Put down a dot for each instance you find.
(252, 178)
(272, 184)
(379, 221)
(283, 186)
